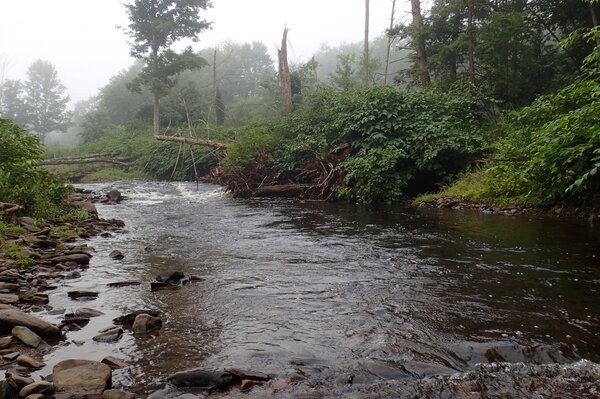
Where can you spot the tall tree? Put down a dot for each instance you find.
(365, 60)
(418, 41)
(154, 26)
(12, 105)
(45, 100)
(390, 39)
(285, 81)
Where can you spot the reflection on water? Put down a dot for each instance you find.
(328, 288)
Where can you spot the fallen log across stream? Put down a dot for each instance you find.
(192, 141)
(85, 159)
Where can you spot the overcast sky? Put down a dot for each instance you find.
(82, 39)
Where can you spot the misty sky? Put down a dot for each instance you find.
(82, 39)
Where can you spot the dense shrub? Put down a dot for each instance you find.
(21, 180)
(394, 139)
(552, 152)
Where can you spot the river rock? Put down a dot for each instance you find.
(117, 255)
(200, 378)
(11, 356)
(9, 286)
(171, 276)
(10, 318)
(120, 284)
(42, 387)
(81, 377)
(87, 312)
(112, 335)
(9, 299)
(130, 317)
(386, 371)
(82, 294)
(117, 394)
(29, 362)
(241, 374)
(5, 342)
(114, 195)
(145, 323)
(78, 258)
(113, 362)
(18, 380)
(9, 276)
(27, 336)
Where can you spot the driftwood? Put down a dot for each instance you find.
(8, 208)
(192, 141)
(85, 159)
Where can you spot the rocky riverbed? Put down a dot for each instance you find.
(365, 361)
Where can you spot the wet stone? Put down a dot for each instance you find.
(29, 362)
(130, 317)
(82, 294)
(41, 387)
(120, 284)
(81, 377)
(27, 336)
(144, 323)
(117, 394)
(171, 276)
(114, 363)
(112, 335)
(117, 255)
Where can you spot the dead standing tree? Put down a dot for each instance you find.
(284, 76)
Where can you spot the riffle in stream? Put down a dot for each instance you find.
(335, 292)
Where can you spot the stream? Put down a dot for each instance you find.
(331, 290)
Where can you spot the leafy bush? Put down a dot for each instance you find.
(21, 180)
(553, 149)
(394, 139)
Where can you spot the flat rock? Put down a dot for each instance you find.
(117, 255)
(27, 336)
(130, 317)
(79, 258)
(242, 374)
(29, 362)
(247, 385)
(119, 284)
(87, 312)
(82, 294)
(9, 299)
(112, 335)
(5, 342)
(81, 377)
(117, 394)
(200, 378)
(145, 323)
(19, 380)
(386, 371)
(10, 318)
(170, 276)
(42, 387)
(9, 286)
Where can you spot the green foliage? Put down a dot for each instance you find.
(66, 231)
(553, 148)
(13, 250)
(21, 180)
(393, 138)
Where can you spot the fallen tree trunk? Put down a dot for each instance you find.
(192, 141)
(79, 160)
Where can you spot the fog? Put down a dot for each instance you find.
(83, 40)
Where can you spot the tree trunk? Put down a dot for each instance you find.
(284, 76)
(389, 44)
(155, 117)
(419, 43)
(471, 41)
(192, 141)
(366, 47)
(82, 160)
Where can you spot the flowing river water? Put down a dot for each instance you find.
(382, 292)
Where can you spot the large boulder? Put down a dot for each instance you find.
(81, 377)
(9, 318)
(200, 378)
(114, 195)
